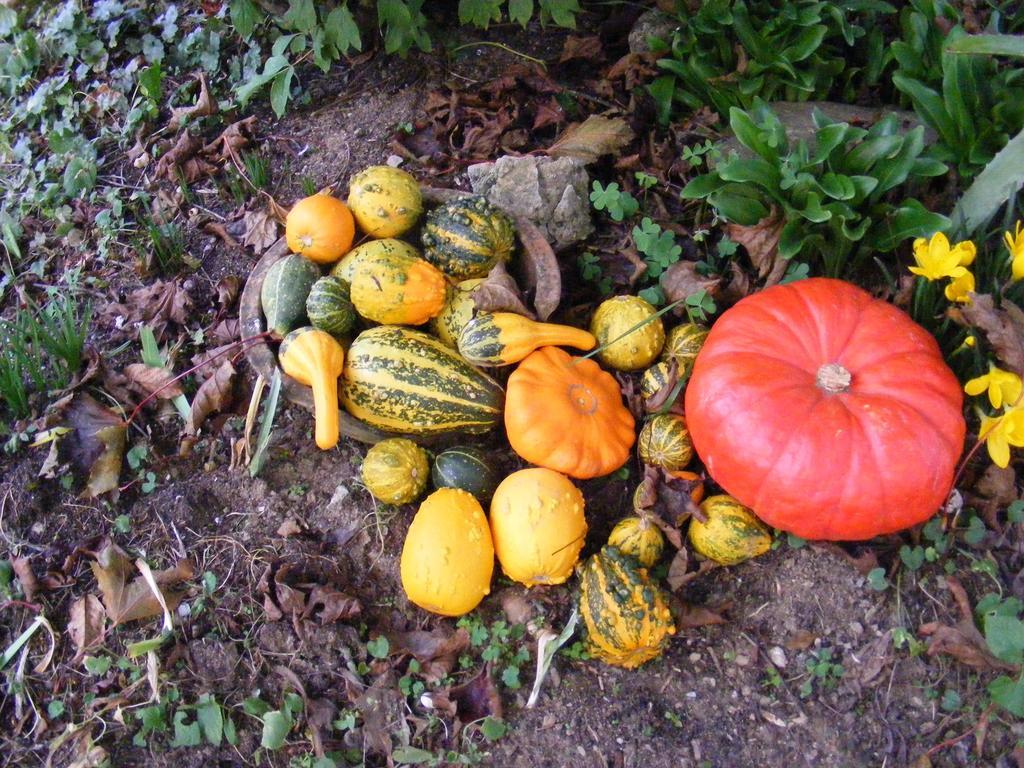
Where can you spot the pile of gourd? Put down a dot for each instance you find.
(788, 377)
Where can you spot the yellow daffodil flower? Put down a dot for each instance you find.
(1003, 387)
(936, 259)
(962, 286)
(1015, 243)
(1000, 433)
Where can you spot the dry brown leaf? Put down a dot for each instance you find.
(801, 640)
(596, 136)
(96, 443)
(183, 161)
(587, 48)
(260, 230)
(26, 577)
(998, 484)
(130, 599)
(329, 605)
(677, 575)
(214, 395)
(231, 141)
(290, 527)
(205, 105)
(226, 331)
(477, 698)
(964, 643)
(538, 268)
(85, 625)
(381, 706)
(227, 291)
(1004, 328)
(872, 658)
(149, 380)
(682, 279)
(157, 305)
(692, 616)
(762, 243)
(500, 293)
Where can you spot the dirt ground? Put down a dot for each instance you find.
(722, 696)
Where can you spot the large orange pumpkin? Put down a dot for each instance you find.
(830, 413)
(566, 414)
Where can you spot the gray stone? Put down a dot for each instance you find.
(798, 118)
(553, 193)
(777, 656)
(652, 23)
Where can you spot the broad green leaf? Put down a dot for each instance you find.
(837, 186)
(342, 31)
(863, 157)
(271, 68)
(151, 81)
(993, 45)
(210, 719)
(479, 13)
(662, 90)
(245, 15)
(751, 170)
(280, 90)
(737, 207)
(411, 756)
(806, 43)
(562, 12)
(1005, 637)
(929, 106)
(520, 11)
(1008, 694)
(894, 171)
(908, 221)
(827, 139)
(702, 186)
(276, 725)
(185, 734)
(996, 184)
(750, 135)
(79, 176)
(300, 16)
(791, 239)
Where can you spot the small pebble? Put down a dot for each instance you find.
(742, 660)
(777, 656)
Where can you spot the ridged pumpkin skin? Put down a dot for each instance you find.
(284, 290)
(329, 306)
(315, 358)
(401, 380)
(626, 616)
(457, 312)
(537, 525)
(467, 468)
(665, 442)
(448, 558)
(346, 268)
(654, 379)
(464, 238)
(566, 414)
(639, 348)
(732, 533)
(816, 459)
(640, 538)
(320, 227)
(393, 288)
(504, 338)
(385, 201)
(395, 471)
(683, 343)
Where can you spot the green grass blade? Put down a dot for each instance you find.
(266, 424)
(992, 45)
(1002, 178)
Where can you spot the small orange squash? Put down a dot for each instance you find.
(566, 414)
(320, 227)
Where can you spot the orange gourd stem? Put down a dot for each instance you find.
(636, 327)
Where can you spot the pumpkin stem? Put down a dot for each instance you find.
(833, 378)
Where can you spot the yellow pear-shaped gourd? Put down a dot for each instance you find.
(731, 534)
(448, 557)
(315, 358)
(504, 338)
(538, 526)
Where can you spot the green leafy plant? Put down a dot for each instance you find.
(731, 52)
(838, 198)
(1004, 635)
(822, 670)
(498, 644)
(618, 203)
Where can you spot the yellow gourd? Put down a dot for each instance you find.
(385, 201)
(448, 557)
(639, 537)
(315, 358)
(732, 533)
(503, 338)
(630, 348)
(457, 312)
(537, 525)
(395, 471)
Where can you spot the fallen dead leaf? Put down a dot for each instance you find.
(328, 605)
(290, 527)
(227, 291)
(660, 399)
(232, 140)
(693, 616)
(587, 48)
(260, 230)
(226, 331)
(539, 270)
(998, 484)
(85, 625)
(1004, 328)
(96, 443)
(762, 244)
(964, 643)
(500, 293)
(26, 577)
(682, 280)
(516, 607)
(205, 105)
(437, 651)
(130, 599)
(303, 594)
(801, 640)
(213, 395)
(477, 698)
(149, 380)
(183, 162)
(596, 136)
(157, 305)
(871, 659)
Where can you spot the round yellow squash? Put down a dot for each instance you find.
(538, 526)
(448, 557)
(396, 471)
(346, 268)
(639, 347)
(639, 537)
(385, 201)
(457, 312)
(732, 533)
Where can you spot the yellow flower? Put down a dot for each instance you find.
(962, 286)
(1003, 387)
(1015, 243)
(936, 259)
(1000, 433)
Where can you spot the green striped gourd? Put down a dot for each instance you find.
(401, 380)
(283, 293)
(395, 471)
(731, 534)
(458, 310)
(467, 468)
(682, 344)
(389, 246)
(654, 379)
(329, 306)
(504, 338)
(626, 615)
(665, 442)
(464, 238)
(639, 537)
